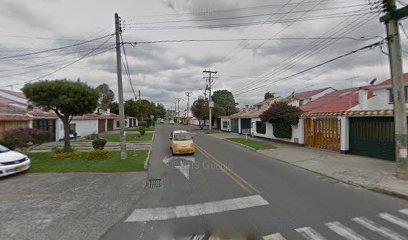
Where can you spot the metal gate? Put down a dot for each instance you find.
(323, 133)
(245, 124)
(373, 137)
(234, 125)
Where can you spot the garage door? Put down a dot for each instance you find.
(234, 125)
(372, 137)
(245, 124)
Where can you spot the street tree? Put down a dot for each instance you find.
(268, 95)
(160, 110)
(200, 111)
(114, 107)
(106, 95)
(65, 98)
(225, 99)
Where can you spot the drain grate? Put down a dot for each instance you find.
(153, 183)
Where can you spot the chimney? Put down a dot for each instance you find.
(362, 98)
(108, 111)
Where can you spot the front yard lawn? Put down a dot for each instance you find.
(114, 137)
(258, 145)
(43, 163)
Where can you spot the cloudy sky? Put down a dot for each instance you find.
(287, 37)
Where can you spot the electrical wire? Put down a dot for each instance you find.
(126, 66)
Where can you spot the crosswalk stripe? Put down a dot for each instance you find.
(344, 231)
(275, 236)
(393, 219)
(404, 211)
(310, 233)
(383, 231)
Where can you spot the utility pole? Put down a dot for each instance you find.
(140, 97)
(188, 104)
(400, 117)
(210, 79)
(178, 106)
(118, 31)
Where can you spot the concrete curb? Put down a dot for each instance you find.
(146, 163)
(374, 189)
(242, 145)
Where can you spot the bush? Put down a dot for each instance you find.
(142, 130)
(92, 136)
(142, 124)
(99, 143)
(98, 154)
(24, 137)
(60, 154)
(149, 122)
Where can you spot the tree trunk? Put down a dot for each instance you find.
(67, 141)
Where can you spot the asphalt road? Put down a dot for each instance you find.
(227, 190)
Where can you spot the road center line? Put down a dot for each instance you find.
(156, 214)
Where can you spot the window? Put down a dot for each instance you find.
(260, 127)
(391, 95)
(224, 124)
(301, 102)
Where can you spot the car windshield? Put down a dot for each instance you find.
(182, 136)
(3, 149)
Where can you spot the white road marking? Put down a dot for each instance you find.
(275, 236)
(309, 233)
(166, 213)
(393, 219)
(383, 231)
(404, 211)
(184, 169)
(344, 231)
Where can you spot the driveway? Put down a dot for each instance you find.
(65, 206)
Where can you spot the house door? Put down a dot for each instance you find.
(245, 124)
(323, 133)
(234, 125)
(373, 137)
(101, 125)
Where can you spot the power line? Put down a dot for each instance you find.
(321, 64)
(71, 63)
(127, 68)
(55, 49)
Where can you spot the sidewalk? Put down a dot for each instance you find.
(369, 173)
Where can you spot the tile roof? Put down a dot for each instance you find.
(308, 94)
(256, 109)
(339, 100)
(388, 81)
(14, 93)
(14, 117)
(380, 112)
(6, 101)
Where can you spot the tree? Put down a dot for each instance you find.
(282, 116)
(106, 95)
(225, 99)
(268, 95)
(65, 98)
(114, 107)
(200, 110)
(160, 110)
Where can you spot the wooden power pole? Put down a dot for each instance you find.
(210, 79)
(188, 104)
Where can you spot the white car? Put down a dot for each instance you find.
(12, 162)
(171, 122)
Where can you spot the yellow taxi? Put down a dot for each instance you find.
(181, 142)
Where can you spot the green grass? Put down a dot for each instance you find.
(114, 137)
(43, 163)
(151, 128)
(258, 145)
(212, 131)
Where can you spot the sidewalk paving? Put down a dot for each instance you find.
(369, 173)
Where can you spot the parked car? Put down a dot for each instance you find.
(161, 120)
(181, 142)
(171, 122)
(12, 162)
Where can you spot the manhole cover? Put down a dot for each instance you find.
(153, 183)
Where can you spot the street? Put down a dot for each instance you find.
(226, 190)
